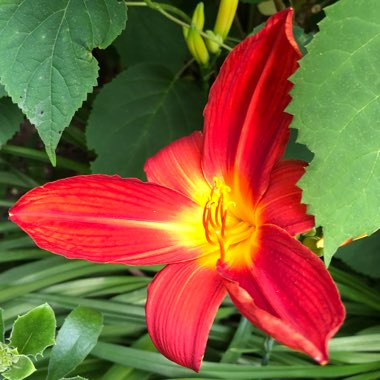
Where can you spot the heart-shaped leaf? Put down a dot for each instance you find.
(336, 103)
(148, 107)
(46, 63)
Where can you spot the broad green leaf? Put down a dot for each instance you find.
(46, 63)
(23, 368)
(34, 331)
(336, 103)
(141, 111)
(10, 119)
(76, 338)
(152, 38)
(363, 255)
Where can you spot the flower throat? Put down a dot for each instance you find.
(221, 225)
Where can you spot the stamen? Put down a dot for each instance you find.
(214, 219)
(205, 222)
(221, 247)
(219, 209)
(211, 220)
(223, 230)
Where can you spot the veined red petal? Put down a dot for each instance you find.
(109, 219)
(285, 290)
(281, 204)
(178, 166)
(182, 302)
(246, 129)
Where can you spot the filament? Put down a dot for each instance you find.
(219, 225)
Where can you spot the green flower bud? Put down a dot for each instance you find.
(198, 20)
(226, 14)
(197, 47)
(212, 46)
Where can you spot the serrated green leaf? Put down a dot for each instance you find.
(46, 63)
(34, 331)
(23, 368)
(150, 37)
(336, 103)
(76, 338)
(10, 119)
(141, 111)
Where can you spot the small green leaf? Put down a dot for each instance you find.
(10, 119)
(337, 113)
(23, 368)
(46, 63)
(150, 37)
(34, 331)
(8, 356)
(138, 113)
(76, 338)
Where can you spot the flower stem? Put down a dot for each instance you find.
(170, 12)
(268, 345)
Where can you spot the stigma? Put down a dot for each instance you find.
(222, 227)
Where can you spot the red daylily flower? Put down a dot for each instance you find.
(220, 208)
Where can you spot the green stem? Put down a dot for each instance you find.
(159, 7)
(268, 345)
(169, 11)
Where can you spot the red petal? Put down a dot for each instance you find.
(281, 204)
(178, 166)
(286, 291)
(182, 302)
(110, 219)
(245, 126)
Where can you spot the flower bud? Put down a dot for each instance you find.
(198, 20)
(226, 14)
(197, 47)
(267, 8)
(212, 45)
(315, 244)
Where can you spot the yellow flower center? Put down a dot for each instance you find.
(221, 224)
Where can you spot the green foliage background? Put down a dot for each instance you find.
(112, 84)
